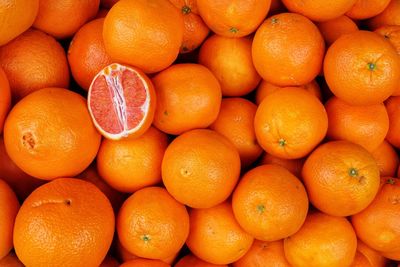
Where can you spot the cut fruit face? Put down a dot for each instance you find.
(121, 101)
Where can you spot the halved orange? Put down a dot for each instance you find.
(121, 101)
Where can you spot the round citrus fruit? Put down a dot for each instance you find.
(267, 196)
(362, 68)
(393, 109)
(192, 261)
(144, 34)
(292, 165)
(5, 98)
(132, 163)
(69, 222)
(152, 224)
(121, 102)
(364, 9)
(188, 97)
(141, 262)
(288, 50)
(389, 16)
(215, 236)
(49, 134)
(288, 128)
(387, 159)
(374, 257)
(200, 168)
(392, 34)
(332, 29)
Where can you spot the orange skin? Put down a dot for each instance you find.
(63, 18)
(377, 225)
(51, 125)
(235, 18)
(360, 261)
(130, 164)
(389, 16)
(179, 89)
(16, 17)
(152, 224)
(288, 50)
(9, 207)
(144, 262)
(46, 216)
(323, 240)
(392, 34)
(195, 31)
(364, 9)
(87, 54)
(387, 159)
(5, 98)
(373, 256)
(292, 165)
(265, 88)
(192, 261)
(230, 61)
(144, 34)
(21, 183)
(341, 178)
(288, 128)
(319, 10)
(264, 253)
(393, 109)
(362, 68)
(393, 255)
(332, 29)
(11, 260)
(109, 262)
(363, 125)
(235, 121)
(211, 227)
(267, 196)
(116, 198)
(200, 168)
(32, 61)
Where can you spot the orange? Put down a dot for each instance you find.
(341, 178)
(69, 222)
(121, 102)
(215, 236)
(192, 261)
(387, 159)
(377, 225)
(389, 16)
(144, 34)
(332, 29)
(235, 18)
(115, 197)
(268, 196)
(265, 88)
(200, 168)
(63, 18)
(373, 256)
(323, 240)
(364, 9)
(5, 98)
(16, 17)
(195, 31)
(360, 261)
(362, 68)
(230, 61)
(152, 224)
(132, 163)
(9, 206)
(288, 128)
(108, 3)
(87, 54)
(319, 10)
(264, 253)
(32, 61)
(235, 121)
(288, 50)
(49, 134)
(188, 97)
(393, 255)
(11, 260)
(393, 109)
(392, 34)
(144, 263)
(363, 125)
(21, 183)
(292, 165)
(109, 262)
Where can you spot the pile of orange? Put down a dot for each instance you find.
(199, 133)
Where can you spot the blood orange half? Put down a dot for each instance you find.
(121, 101)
